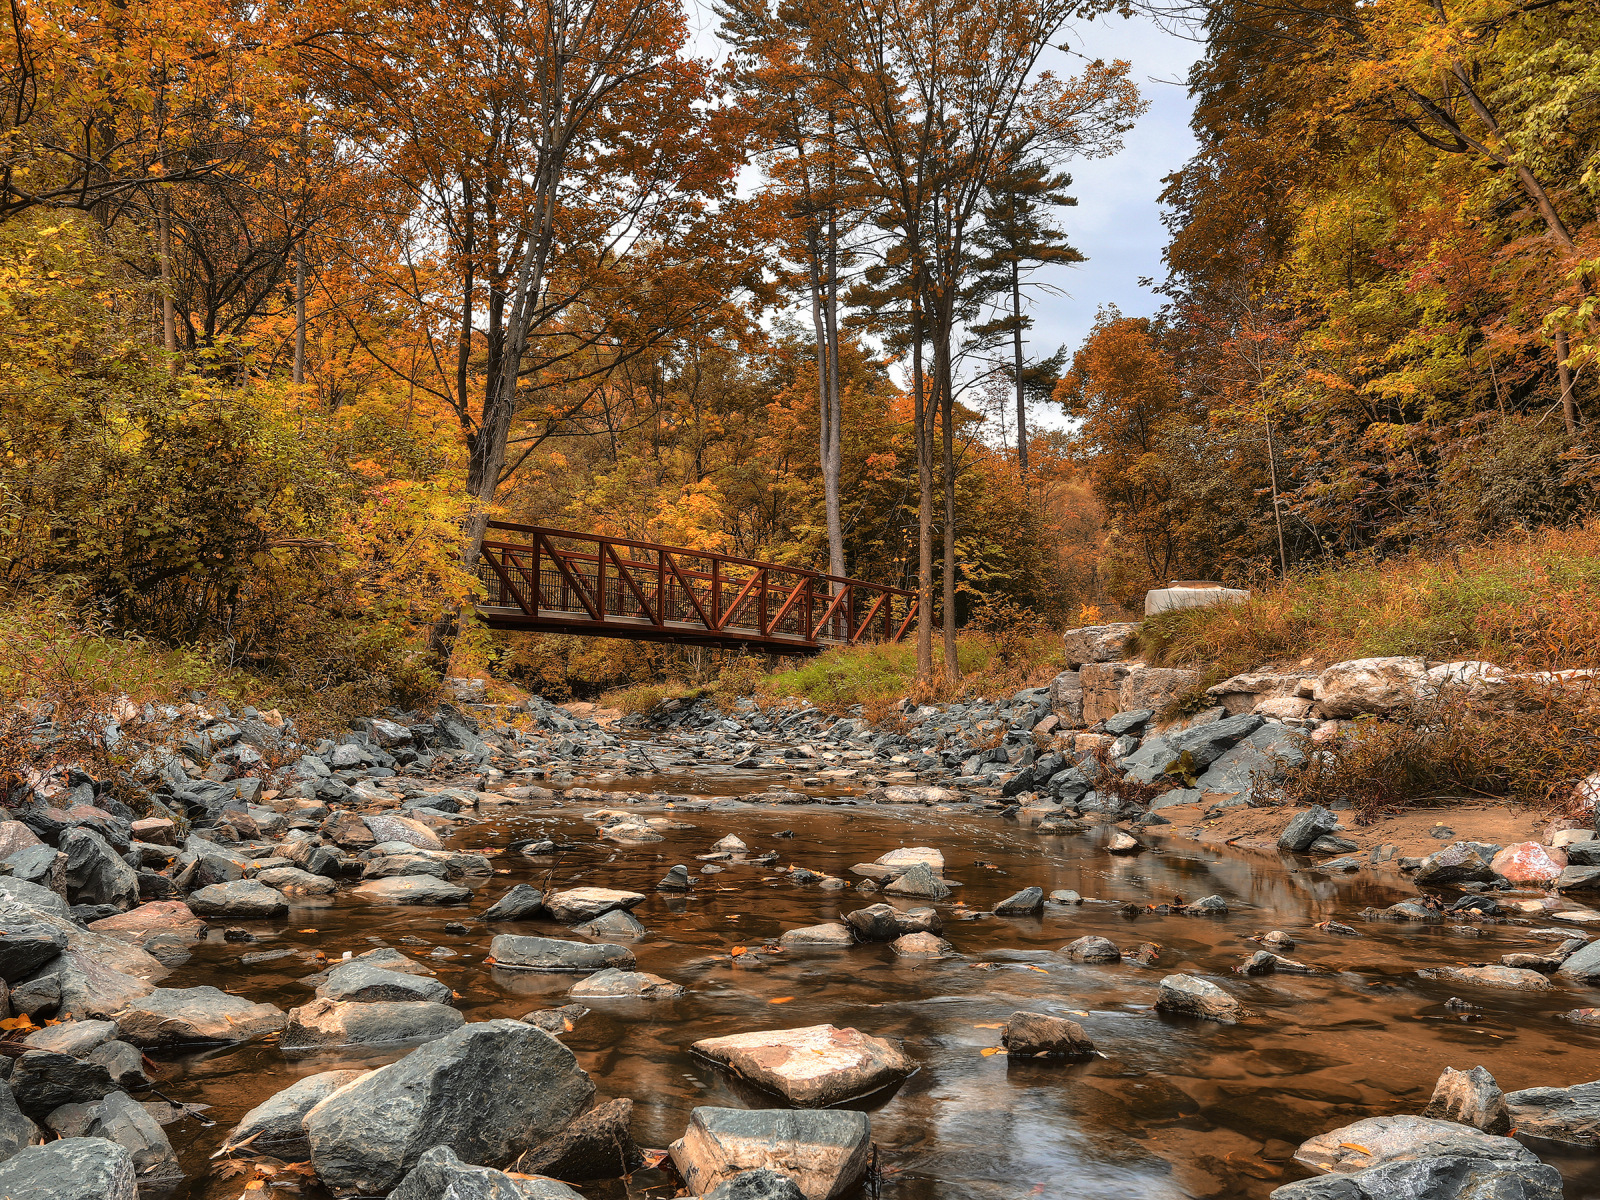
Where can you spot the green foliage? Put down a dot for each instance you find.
(195, 513)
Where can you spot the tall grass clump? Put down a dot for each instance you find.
(1530, 601)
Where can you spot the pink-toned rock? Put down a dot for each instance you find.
(1529, 862)
(156, 830)
(814, 1067)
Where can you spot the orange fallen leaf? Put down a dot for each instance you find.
(489, 958)
(737, 950)
(308, 931)
(991, 1025)
(1355, 1146)
(988, 1050)
(780, 1000)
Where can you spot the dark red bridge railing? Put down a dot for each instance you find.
(556, 581)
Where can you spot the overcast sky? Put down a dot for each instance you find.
(1117, 222)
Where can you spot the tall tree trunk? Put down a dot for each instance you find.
(920, 409)
(1016, 367)
(299, 312)
(945, 394)
(833, 454)
(169, 315)
(1569, 400)
(1277, 512)
(487, 448)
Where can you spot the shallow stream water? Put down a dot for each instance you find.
(1171, 1108)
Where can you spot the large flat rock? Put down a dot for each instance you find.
(196, 1016)
(587, 903)
(825, 1153)
(811, 1067)
(557, 954)
(1378, 1140)
(412, 889)
(326, 1024)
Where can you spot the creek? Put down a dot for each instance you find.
(1170, 1107)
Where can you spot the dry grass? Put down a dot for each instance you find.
(1531, 601)
(1529, 746)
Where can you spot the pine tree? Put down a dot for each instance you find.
(1015, 240)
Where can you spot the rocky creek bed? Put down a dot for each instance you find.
(1184, 1052)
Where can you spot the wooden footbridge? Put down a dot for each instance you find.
(556, 581)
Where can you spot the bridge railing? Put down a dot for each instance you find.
(538, 577)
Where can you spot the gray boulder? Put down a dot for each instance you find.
(1433, 1179)
(95, 873)
(24, 949)
(196, 1016)
(1376, 1140)
(614, 983)
(325, 1024)
(440, 1175)
(240, 898)
(824, 1152)
(556, 954)
(1097, 643)
(277, 1125)
(614, 924)
(70, 1169)
(1261, 756)
(521, 903)
(412, 889)
(41, 866)
(918, 880)
(1025, 903)
(1305, 828)
(760, 1184)
(1028, 1034)
(76, 1038)
(1470, 1098)
(42, 1082)
(121, 1119)
(885, 923)
(292, 881)
(1092, 948)
(488, 1092)
(1191, 997)
(1203, 743)
(586, 903)
(830, 934)
(597, 1145)
(124, 1063)
(1570, 1115)
(16, 1130)
(1462, 862)
(366, 982)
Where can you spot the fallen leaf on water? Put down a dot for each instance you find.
(308, 931)
(1355, 1146)
(991, 1025)
(1041, 970)
(988, 1050)
(489, 958)
(738, 950)
(780, 1000)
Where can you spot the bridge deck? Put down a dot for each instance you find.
(557, 581)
